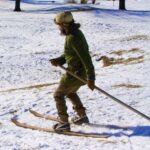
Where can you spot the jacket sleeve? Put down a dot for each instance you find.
(81, 48)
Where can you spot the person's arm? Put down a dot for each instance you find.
(81, 48)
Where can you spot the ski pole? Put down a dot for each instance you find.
(107, 94)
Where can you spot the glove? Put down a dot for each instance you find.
(57, 61)
(91, 84)
(54, 62)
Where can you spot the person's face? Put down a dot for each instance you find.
(63, 29)
(60, 27)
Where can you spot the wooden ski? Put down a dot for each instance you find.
(47, 117)
(51, 130)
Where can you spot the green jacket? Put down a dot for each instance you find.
(76, 55)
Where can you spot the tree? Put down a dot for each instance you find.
(17, 5)
(93, 1)
(122, 5)
(83, 1)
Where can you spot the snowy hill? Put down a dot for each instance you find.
(28, 39)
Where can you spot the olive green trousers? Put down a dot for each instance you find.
(68, 91)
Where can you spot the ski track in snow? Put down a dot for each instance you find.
(29, 39)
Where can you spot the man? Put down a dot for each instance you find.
(76, 55)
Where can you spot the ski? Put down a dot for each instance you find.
(53, 118)
(47, 117)
(51, 130)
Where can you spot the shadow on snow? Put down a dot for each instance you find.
(63, 8)
(97, 11)
(129, 131)
(42, 2)
(138, 13)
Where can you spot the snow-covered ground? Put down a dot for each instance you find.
(28, 39)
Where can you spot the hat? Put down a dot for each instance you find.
(63, 17)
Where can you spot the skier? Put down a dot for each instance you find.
(76, 55)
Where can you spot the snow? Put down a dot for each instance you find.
(28, 39)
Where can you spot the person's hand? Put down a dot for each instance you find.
(59, 61)
(54, 62)
(91, 84)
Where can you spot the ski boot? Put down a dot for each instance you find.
(61, 127)
(80, 120)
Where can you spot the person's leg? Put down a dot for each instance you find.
(59, 97)
(77, 104)
(78, 107)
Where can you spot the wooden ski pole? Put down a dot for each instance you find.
(107, 94)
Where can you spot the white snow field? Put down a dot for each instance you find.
(28, 39)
